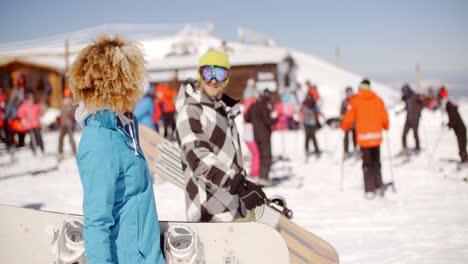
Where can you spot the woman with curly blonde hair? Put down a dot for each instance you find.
(120, 220)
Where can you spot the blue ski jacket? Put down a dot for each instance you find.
(120, 220)
(144, 111)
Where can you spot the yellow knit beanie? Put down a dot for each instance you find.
(214, 58)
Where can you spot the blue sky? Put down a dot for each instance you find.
(380, 39)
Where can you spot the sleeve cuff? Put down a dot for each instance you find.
(235, 183)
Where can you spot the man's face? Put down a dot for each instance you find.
(213, 88)
(213, 80)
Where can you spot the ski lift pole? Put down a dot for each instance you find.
(391, 161)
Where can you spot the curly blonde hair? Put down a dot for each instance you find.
(109, 73)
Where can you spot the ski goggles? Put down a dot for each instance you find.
(208, 73)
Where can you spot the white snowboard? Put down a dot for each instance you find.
(33, 236)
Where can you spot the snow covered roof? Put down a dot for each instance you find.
(192, 40)
(178, 46)
(263, 55)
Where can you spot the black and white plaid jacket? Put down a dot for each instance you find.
(211, 154)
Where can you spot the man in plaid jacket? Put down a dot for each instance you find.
(216, 188)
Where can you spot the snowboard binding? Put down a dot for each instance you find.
(182, 245)
(279, 204)
(70, 245)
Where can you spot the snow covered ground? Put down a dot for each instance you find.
(425, 221)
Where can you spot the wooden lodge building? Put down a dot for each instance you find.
(44, 80)
(170, 59)
(272, 71)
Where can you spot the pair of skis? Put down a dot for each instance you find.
(385, 185)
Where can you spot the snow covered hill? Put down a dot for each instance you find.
(425, 221)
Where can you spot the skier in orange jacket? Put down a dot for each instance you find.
(368, 111)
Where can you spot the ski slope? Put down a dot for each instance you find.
(425, 221)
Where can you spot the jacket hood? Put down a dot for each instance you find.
(190, 94)
(366, 94)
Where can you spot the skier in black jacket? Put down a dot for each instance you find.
(455, 122)
(260, 115)
(413, 113)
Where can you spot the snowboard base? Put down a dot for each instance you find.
(32, 236)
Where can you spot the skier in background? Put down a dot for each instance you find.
(430, 100)
(250, 91)
(67, 122)
(30, 112)
(312, 90)
(262, 116)
(144, 109)
(289, 105)
(2, 100)
(413, 107)
(300, 95)
(168, 109)
(157, 112)
(250, 95)
(455, 122)
(120, 218)
(216, 185)
(15, 100)
(2, 111)
(311, 114)
(368, 111)
(352, 131)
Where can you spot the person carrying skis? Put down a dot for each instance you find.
(216, 185)
(352, 131)
(120, 218)
(367, 110)
(413, 107)
(455, 122)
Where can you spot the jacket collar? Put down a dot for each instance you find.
(366, 94)
(120, 122)
(188, 94)
(106, 118)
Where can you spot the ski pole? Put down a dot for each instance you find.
(391, 162)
